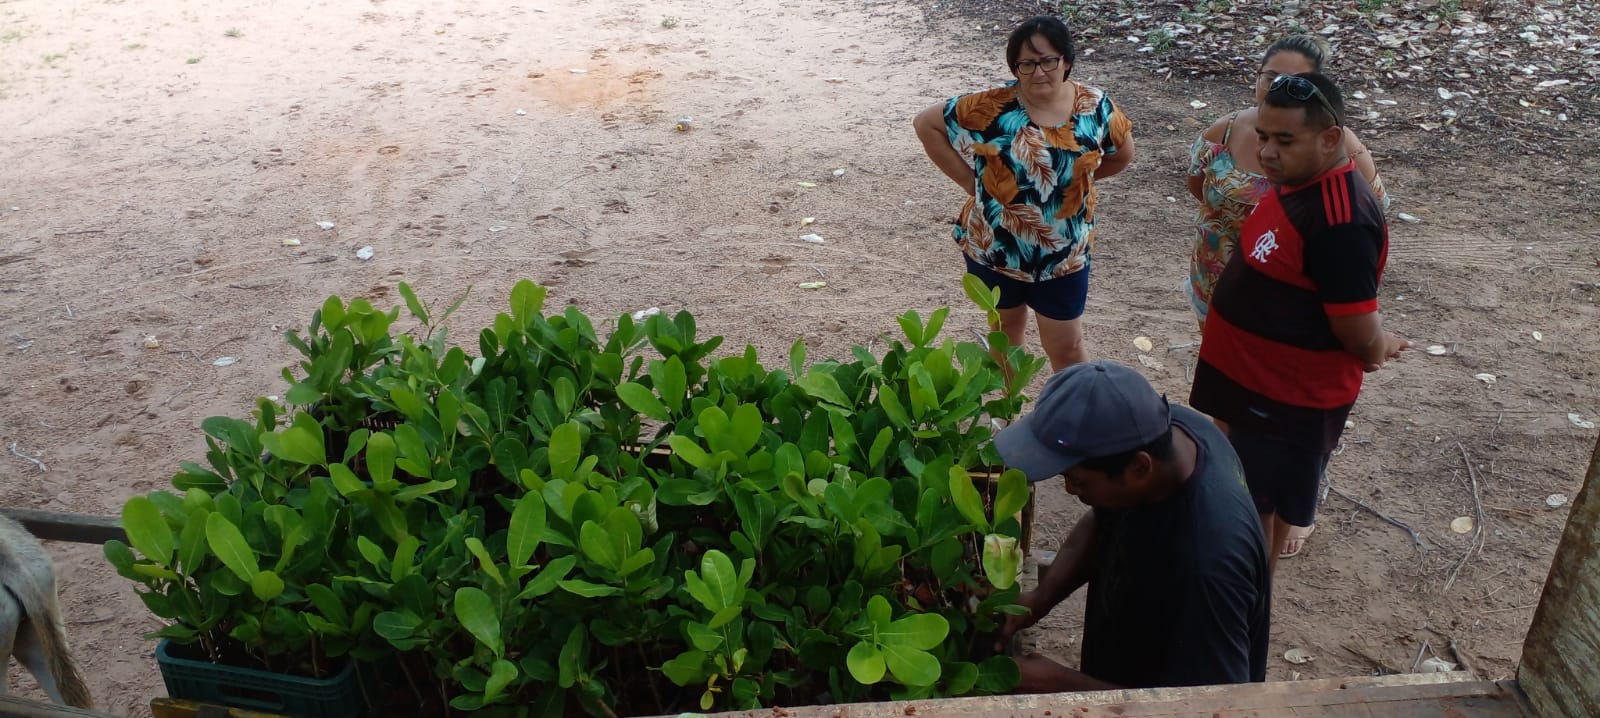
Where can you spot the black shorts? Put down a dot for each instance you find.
(1284, 478)
(1061, 299)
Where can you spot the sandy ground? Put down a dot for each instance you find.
(158, 155)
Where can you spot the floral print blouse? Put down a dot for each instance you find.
(1032, 216)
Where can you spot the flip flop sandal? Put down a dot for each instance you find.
(1303, 539)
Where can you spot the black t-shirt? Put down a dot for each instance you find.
(1181, 594)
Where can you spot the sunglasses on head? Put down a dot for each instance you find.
(1300, 89)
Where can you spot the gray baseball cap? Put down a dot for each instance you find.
(1085, 411)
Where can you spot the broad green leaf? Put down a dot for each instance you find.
(526, 528)
(687, 669)
(921, 631)
(380, 460)
(823, 387)
(867, 544)
(148, 530)
(946, 557)
(345, 480)
(911, 324)
(192, 541)
(409, 404)
(640, 559)
(296, 444)
(966, 498)
(396, 625)
(413, 492)
(702, 637)
(879, 612)
(865, 662)
(388, 516)
(880, 447)
(924, 397)
(911, 666)
(844, 437)
(745, 428)
(414, 304)
(797, 358)
(642, 400)
(597, 546)
(500, 676)
(405, 557)
(291, 528)
(716, 569)
(475, 611)
(671, 381)
(987, 298)
(872, 492)
(302, 394)
(725, 616)
(757, 515)
(328, 603)
(1011, 496)
(549, 577)
(408, 442)
(690, 452)
(623, 529)
(565, 447)
(961, 681)
(587, 589)
(570, 660)
(997, 674)
(370, 551)
(1001, 560)
(485, 561)
(935, 323)
(266, 585)
(332, 313)
(150, 570)
(893, 408)
(228, 544)
(527, 300)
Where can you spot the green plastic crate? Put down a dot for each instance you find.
(338, 696)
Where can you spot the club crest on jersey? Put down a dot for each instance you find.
(1265, 245)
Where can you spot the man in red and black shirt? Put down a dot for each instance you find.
(1294, 320)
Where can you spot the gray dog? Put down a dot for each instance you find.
(30, 620)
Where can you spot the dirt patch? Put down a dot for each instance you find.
(476, 144)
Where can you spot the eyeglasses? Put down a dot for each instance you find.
(1026, 67)
(1300, 89)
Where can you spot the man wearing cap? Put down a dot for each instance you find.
(1172, 549)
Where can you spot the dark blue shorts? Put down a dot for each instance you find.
(1061, 299)
(1284, 478)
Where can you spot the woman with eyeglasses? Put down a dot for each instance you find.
(1028, 154)
(1225, 174)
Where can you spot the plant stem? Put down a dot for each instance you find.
(661, 706)
(410, 680)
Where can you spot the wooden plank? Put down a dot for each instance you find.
(13, 707)
(174, 708)
(1355, 710)
(74, 528)
(1560, 669)
(1405, 695)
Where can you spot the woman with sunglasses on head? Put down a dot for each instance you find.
(1225, 174)
(1225, 171)
(1028, 154)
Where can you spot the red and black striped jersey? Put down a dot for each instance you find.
(1269, 359)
